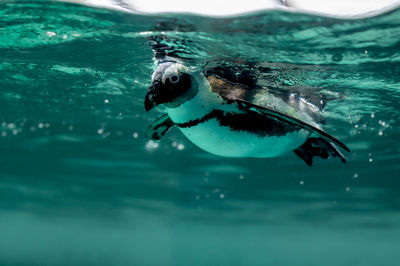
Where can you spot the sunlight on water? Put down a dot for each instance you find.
(80, 184)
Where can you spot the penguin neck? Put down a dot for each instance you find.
(197, 107)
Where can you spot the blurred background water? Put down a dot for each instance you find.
(81, 185)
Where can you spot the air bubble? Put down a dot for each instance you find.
(106, 134)
(151, 145)
(180, 147)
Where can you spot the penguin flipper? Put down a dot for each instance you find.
(286, 119)
(318, 147)
(159, 127)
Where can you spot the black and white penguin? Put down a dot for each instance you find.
(228, 111)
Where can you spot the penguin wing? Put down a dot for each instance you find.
(268, 78)
(286, 119)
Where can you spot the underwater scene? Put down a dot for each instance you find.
(81, 182)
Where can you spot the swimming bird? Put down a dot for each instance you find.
(230, 111)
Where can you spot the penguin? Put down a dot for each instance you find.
(231, 111)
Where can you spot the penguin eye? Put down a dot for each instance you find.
(174, 79)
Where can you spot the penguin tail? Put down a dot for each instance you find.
(318, 147)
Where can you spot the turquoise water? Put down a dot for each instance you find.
(81, 185)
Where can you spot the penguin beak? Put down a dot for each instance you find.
(152, 97)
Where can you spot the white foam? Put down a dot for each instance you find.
(222, 8)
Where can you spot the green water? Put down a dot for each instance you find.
(81, 185)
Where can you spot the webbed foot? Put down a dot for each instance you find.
(318, 147)
(159, 127)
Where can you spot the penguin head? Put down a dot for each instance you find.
(171, 85)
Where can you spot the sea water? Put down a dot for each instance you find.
(81, 185)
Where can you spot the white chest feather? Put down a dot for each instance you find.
(221, 140)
